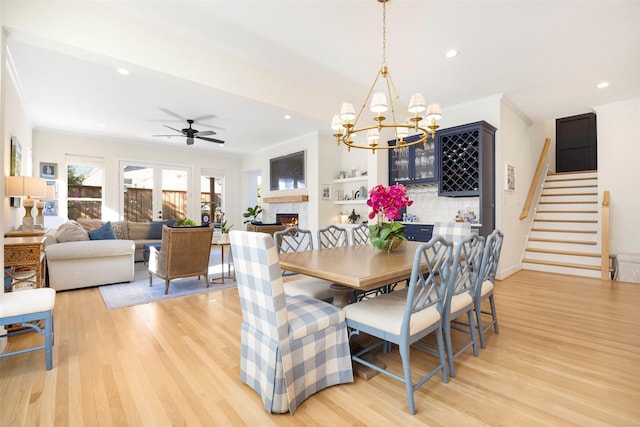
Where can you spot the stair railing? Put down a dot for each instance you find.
(536, 179)
(604, 237)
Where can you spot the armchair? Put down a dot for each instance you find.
(184, 252)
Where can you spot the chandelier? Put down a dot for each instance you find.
(346, 124)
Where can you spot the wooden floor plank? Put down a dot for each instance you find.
(568, 353)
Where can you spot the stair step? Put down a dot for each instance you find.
(587, 172)
(581, 221)
(569, 212)
(567, 194)
(555, 187)
(571, 253)
(562, 264)
(553, 230)
(569, 203)
(575, 242)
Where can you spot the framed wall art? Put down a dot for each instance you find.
(15, 167)
(510, 177)
(326, 192)
(48, 170)
(50, 207)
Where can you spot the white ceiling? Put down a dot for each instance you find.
(545, 57)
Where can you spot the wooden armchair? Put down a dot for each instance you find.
(184, 253)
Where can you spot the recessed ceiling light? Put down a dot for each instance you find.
(287, 116)
(123, 71)
(451, 53)
(102, 125)
(602, 85)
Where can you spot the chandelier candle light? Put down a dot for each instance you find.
(386, 203)
(346, 125)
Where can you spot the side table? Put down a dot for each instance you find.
(24, 262)
(222, 247)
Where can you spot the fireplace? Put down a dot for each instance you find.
(288, 219)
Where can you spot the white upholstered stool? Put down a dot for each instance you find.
(26, 306)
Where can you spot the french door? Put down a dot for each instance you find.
(154, 192)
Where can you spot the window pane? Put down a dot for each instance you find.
(84, 196)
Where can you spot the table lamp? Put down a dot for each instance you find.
(29, 187)
(39, 220)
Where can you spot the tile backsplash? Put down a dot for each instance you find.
(428, 207)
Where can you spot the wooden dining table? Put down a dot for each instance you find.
(360, 267)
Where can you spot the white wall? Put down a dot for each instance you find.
(618, 148)
(53, 147)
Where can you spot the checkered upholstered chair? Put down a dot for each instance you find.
(486, 281)
(291, 346)
(407, 316)
(459, 299)
(26, 308)
(452, 231)
(294, 239)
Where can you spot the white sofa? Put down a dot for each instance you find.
(81, 264)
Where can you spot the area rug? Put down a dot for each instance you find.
(138, 291)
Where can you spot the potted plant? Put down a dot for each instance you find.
(223, 236)
(385, 204)
(185, 222)
(253, 212)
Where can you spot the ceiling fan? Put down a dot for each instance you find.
(192, 134)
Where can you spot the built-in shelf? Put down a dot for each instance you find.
(352, 179)
(351, 202)
(287, 199)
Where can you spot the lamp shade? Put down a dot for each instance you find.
(26, 186)
(379, 103)
(336, 123)
(434, 112)
(417, 104)
(347, 112)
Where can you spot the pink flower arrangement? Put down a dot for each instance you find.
(387, 202)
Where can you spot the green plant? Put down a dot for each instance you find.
(224, 228)
(185, 222)
(252, 212)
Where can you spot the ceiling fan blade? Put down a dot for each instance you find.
(169, 136)
(206, 132)
(171, 113)
(210, 139)
(205, 117)
(177, 130)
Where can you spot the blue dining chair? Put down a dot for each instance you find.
(360, 234)
(332, 236)
(485, 285)
(291, 346)
(406, 317)
(459, 300)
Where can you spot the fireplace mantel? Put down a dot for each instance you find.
(287, 199)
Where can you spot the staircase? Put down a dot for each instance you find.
(564, 237)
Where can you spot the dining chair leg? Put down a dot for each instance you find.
(441, 353)
(449, 347)
(408, 381)
(48, 340)
(478, 312)
(494, 316)
(472, 332)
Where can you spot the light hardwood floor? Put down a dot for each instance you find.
(568, 353)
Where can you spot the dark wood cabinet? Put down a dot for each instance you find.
(418, 232)
(467, 167)
(413, 165)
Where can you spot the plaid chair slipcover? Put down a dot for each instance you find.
(452, 231)
(291, 346)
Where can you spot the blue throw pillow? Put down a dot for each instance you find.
(105, 232)
(155, 229)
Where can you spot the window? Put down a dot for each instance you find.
(85, 187)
